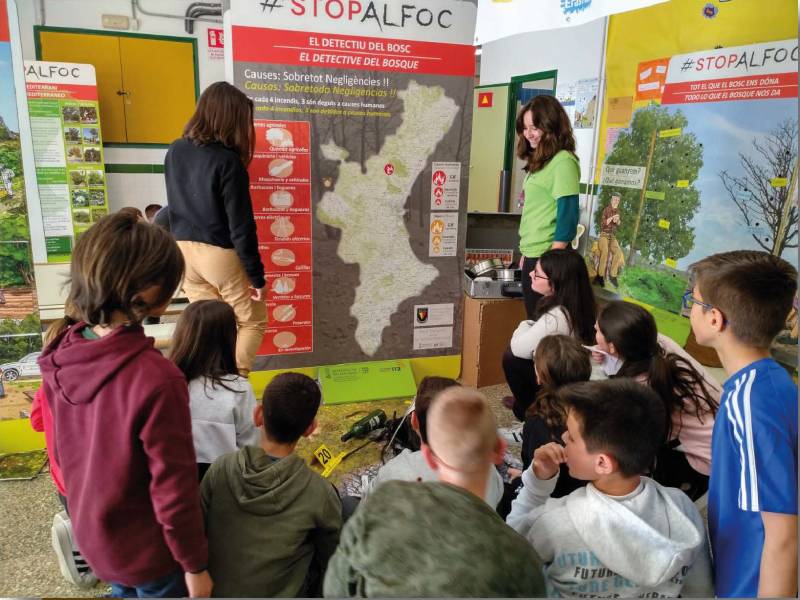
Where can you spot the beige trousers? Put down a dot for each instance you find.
(608, 242)
(214, 273)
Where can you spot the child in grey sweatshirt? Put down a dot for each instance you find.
(623, 535)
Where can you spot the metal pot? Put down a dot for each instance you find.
(505, 274)
(485, 266)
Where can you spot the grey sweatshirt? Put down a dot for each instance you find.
(649, 543)
(222, 416)
(268, 521)
(411, 466)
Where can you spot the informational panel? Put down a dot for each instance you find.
(359, 180)
(68, 150)
(698, 141)
(20, 327)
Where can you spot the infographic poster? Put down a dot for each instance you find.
(698, 145)
(363, 119)
(68, 150)
(20, 329)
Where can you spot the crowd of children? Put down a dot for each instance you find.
(611, 468)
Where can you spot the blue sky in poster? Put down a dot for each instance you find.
(8, 104)
(726, 129)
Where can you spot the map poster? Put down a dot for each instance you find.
(68, 151)
(360, 116)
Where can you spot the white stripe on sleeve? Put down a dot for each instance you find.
(748, 434)
(734, 416)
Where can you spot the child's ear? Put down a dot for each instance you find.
(717, 320)
(428, 456)
(414, 422)
(258, 416)
(500, 447)
(310, 429)
(605, 464)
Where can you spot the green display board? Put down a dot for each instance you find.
(361, 382)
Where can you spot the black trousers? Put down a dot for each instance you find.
(521, 378)
(530, 297)
(673, 470)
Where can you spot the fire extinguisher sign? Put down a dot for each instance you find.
(216, 44)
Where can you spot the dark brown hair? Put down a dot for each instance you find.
(619, 417)
(572, 290)
(752, 289)
(549, 116)
(427, 390)
(224, 115)
(114, 261)
(681, 387)
(131, 210)
(290, 404)
(559, 359)
(204, 342)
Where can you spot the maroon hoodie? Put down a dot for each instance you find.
(123, 439)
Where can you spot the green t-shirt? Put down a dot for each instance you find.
(560, 177)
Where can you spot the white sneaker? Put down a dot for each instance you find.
(73, 566)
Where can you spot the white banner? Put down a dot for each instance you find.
(623, 176)
(502, 18)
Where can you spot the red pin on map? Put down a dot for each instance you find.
(388, 169)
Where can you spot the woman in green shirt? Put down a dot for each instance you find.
(551, 186)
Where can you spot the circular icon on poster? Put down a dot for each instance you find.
(279, 138)
(281, 199)
(280, 167)
(437, 226)
(282, 257)
(283, 285)
(284, 313)
(284, 340)
(282, 227)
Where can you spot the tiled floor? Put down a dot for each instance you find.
(28, 566)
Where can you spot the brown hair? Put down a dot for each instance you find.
(114, 261)
(204, 342)
(225, 115)
(427, 390)
(59, 326)
(290, 404)
(549, 116)
(131, 210)
(681, 387)
(752, 289)
(560, 359)
(572, 291)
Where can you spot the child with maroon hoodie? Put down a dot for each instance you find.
(122, 428)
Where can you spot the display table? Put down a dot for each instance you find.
(488, 325)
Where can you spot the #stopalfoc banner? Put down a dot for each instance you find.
(363, 119)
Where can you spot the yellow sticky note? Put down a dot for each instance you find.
(666, 133)
(671, 262)
(779, 182)
(682, 183)
(663, 223)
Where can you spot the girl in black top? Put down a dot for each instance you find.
(211, 215)
(560, 359)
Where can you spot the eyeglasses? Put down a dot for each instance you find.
(537, 276)
(688, 300)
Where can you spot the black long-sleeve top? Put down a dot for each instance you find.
(208, 190)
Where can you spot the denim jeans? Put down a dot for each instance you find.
(171, 586)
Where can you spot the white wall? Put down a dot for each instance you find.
(124, 189)
(575, 52)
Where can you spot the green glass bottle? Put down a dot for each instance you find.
(363, 426)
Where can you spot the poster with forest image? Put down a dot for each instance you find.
(709, 165)
(20, 329)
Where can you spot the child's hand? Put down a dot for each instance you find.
(199, 585)
(514, 473)
(546, 460)
(598, 357)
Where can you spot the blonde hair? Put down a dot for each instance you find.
(462, 431)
